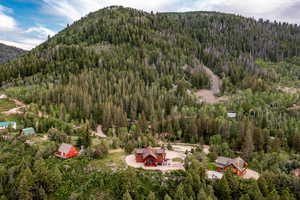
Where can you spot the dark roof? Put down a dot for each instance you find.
(236, 162)
(223, 161)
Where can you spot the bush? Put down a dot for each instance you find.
(96, 152)
(58, 136)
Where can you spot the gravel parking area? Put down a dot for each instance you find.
(171, 165)
(251, 174)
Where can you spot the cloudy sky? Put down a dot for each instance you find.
(27, 23)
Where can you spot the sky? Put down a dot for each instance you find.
(28, 23)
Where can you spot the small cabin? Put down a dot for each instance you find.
(5, 125)
(66, 151)
(150, 157)
(237, 165)
(28, 131)
(231, 115)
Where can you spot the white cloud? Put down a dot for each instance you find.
(75, 9)
(13, 35)
(7, 23)
(268, 9)
(40, 31)
(26, 44)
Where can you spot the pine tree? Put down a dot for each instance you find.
(180, 194)
(222, 189)
(126, 196)
(245, 197)
(248, 146)
(151, 196)
(167, 197)
(25, 185)
(273, 196)
(201, 195)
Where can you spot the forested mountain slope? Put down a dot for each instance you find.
(8, 53)
(135, 74)
(153, 52)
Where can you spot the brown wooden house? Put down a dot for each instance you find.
(150, 157)
(237, 165)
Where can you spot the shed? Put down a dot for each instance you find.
(28, 131)
(66, 151)
(5, 125)
(231, 115)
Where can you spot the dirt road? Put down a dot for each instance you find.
(16, 110)
(209, 96)
(214, 81)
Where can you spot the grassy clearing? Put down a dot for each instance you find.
(112, 160)
(6, 104)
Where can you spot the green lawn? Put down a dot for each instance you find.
(211, 166)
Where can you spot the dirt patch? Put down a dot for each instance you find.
(182, 148)
(115, 151)
(214, 81)
(250, 174)
(18, 103)
(99, 132)
(208, 96)
(16, 110)
(289, 90)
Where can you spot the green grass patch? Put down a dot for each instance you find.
(112, 160)
(177, 160)
(6, 104)
(211, 166)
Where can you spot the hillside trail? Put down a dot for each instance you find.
(209, 96)
(16, 110)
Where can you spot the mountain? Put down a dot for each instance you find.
(8, 53)
(147, 54)
(140, 77)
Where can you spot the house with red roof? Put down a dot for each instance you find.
(150, 156)
(66, 151)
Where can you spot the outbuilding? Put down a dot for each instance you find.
(66, 151)
(5, 125)
(28, 131)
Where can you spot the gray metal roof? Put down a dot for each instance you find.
(65, 148)
(224, 161)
